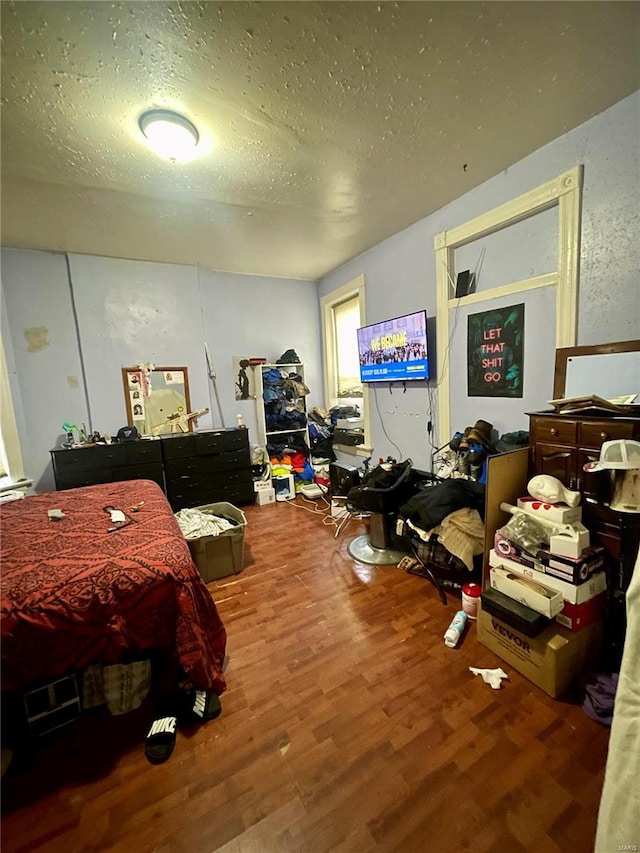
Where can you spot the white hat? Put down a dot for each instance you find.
(620, 454)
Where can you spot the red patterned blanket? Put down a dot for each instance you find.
(73, 593)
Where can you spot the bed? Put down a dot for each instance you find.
(74, 594)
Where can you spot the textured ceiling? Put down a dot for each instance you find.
(326, 126)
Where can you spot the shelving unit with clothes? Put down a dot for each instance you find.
(282, 408)
(283, 424)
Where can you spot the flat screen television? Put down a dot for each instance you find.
(394, 350)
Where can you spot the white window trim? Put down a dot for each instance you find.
(351, 289)
(565, 192)
(10, 436)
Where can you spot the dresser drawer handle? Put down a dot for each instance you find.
(604, 436)
(554, 431)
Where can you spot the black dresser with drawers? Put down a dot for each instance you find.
(192, 468)
(207, 467)
(91, 464)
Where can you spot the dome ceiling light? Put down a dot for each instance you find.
(171, 135)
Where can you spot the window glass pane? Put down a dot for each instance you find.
(4, 467)
(10, 456)
(347, 321)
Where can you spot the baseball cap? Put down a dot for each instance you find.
(127, 433)
(620, 454)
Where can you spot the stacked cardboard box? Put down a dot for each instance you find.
(575, 594)
(265, 493)
(542, 612)
(551, 660)
(572, 569)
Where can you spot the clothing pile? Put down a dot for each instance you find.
(283, 395)
(338, 412)
(321, 430)
(599, 696)
(444, 523)
(296, 463)
(195, 523)
(285, 444)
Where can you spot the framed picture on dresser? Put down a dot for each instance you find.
(609, 370)
(153, 397)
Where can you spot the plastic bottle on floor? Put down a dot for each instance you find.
(455, 629)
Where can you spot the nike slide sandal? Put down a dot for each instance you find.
(203, 705)
(160, 740)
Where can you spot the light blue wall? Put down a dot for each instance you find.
(400, 275)
(131, 311)
(244, 315)
(47, 388)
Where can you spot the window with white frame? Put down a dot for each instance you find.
(11, 469)
(343, 312)
(346, 318)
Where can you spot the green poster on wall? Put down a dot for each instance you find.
(495, 352)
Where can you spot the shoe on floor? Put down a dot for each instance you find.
(160, 740)
(407, 563)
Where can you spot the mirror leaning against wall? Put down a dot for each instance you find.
(157, 399)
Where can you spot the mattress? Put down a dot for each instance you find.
(76, 591)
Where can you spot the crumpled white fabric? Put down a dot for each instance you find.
(194, 523)
(490, 676)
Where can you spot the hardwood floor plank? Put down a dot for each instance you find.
(347, 726)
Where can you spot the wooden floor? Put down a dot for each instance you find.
(347, 725)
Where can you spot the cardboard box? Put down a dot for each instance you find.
(575, 617)
(552, 660)
(551, 512)
(532, 593)
(567, 568)
(262, 485)
(571, 541)
(265, 496)
(222, 555)
(512, 613)
(573, 593)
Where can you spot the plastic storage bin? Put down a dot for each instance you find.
(222, 555)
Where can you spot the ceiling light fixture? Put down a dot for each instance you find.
(171, 135)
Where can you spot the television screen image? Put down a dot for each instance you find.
(394, 350)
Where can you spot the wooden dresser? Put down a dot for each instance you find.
(193, 469)
(560, 445)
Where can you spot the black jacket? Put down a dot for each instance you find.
(430, 506)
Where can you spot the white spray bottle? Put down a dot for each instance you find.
(454, 631)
